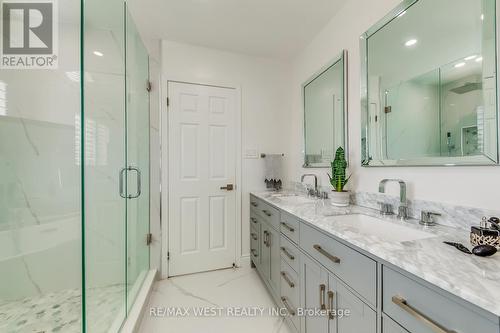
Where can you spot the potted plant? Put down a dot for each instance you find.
(339, 197)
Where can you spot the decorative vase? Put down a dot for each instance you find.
(340, 199)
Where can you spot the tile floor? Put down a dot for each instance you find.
(61, 312)
(240, 287)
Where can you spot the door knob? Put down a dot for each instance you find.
(228, 187)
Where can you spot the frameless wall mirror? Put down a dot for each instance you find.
(325, 113)
(429, 85)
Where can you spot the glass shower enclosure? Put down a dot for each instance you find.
(74, 175)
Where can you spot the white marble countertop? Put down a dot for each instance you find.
(472, 278)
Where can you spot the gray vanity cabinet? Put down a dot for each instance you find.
(313, 294)
(307, 269)
(420, 309)
(275, 260)
(361, 317)
(321, 289)
(389, 326)
(255, 240)
(265, 250)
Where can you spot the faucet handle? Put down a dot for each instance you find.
(403, 212)
(427, 218)
(385, 208)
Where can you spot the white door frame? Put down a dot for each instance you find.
(165, 170)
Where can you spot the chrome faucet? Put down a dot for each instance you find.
(316, 192)
(403, 204)
(427, 218)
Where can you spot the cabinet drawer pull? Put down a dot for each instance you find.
(287, 306)
(401, 302)
(267, 239)
(288, 254)
(254, 236)
(287, 280)
(267, 213)
(326, 254)
(331, 312)
(254, 204)
(288, 227)
(254, 253)
(254, 220)
(322, 289)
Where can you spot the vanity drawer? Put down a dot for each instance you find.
(415, 307)
(289, 253)
(289, 294)
(254, 220)
(289, 284)
(354, 268)
(289, 227)
(255, 245)
(269, 214)
(254, 203)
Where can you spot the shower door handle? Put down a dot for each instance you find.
(121, 182)
(139, 185)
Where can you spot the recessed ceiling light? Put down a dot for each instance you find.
(411, 42)
(470, 57)
(479, 59)
(460, 64)
(99, 54)
(402, 13)
(482, 17)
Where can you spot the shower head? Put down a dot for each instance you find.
(467, 87)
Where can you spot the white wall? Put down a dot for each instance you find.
(471, 186)
(264, 86)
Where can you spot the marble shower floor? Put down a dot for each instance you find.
(61, 311)
(240, 287)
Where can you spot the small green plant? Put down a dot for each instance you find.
(338, 178)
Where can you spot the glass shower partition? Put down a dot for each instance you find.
(137, 138)
(40, 184)
(117, 164)
(105, 158)
(74, 175)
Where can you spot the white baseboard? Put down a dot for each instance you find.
(244, 261)
(133, 322)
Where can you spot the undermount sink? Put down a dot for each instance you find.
(293, 198)
(389, 231)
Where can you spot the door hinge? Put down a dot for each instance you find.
(149, 239)
(168, 255)
(149, 86)
(168, 102)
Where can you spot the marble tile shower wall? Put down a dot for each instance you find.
(39, 207)
(39, 183)
(452, 215)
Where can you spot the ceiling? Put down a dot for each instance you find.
(268, 28)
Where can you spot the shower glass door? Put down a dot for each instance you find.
(137, 150)
(116, 154)
(105, 164)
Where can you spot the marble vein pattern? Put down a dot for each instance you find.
(451, 215)
(471, 278)
(240, 287)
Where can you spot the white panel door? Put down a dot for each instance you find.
(202, 161)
